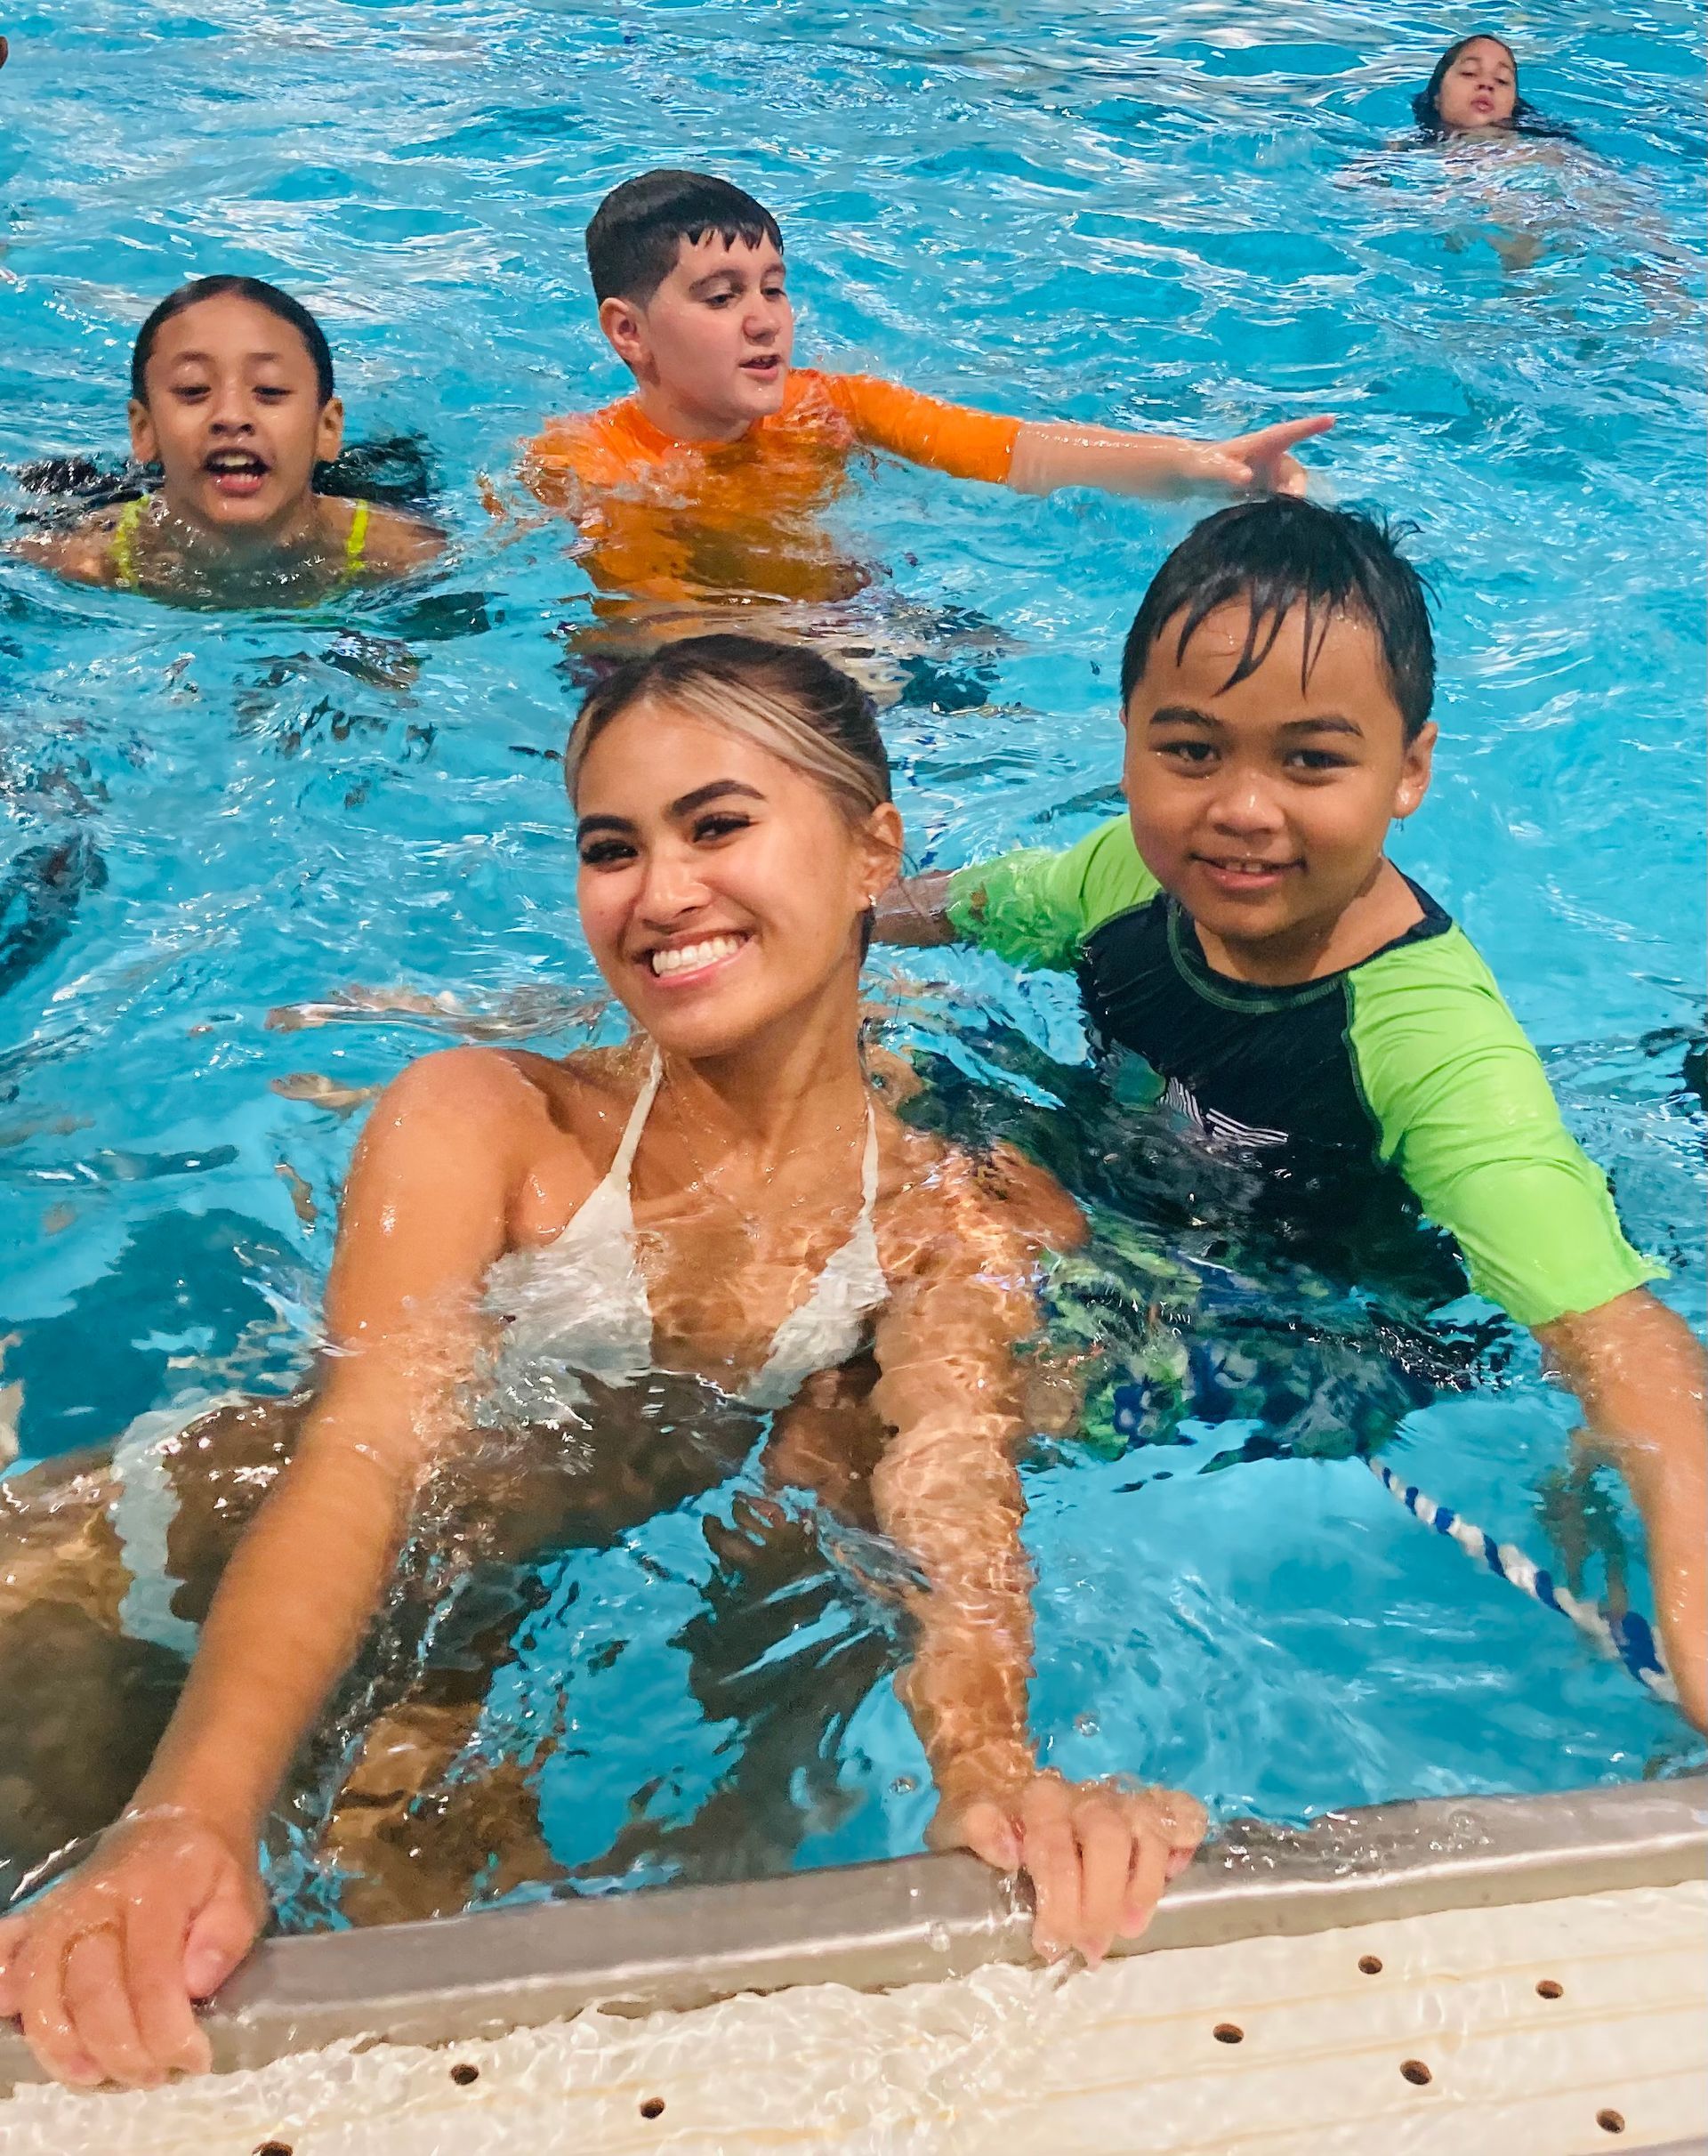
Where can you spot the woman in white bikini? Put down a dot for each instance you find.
(522, 1240)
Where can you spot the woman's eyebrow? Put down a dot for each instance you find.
(715, 791)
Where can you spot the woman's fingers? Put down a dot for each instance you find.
(98, 2005)
(1050, 1850)
(45, 2014)
(986, 1830)
(1146, 1879)
(156, 1958)
(1105, 1858)
(13, 1932)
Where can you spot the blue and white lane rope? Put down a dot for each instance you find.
(1629, 1637)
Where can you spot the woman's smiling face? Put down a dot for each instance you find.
(234, 416)
(1480, 89)
(721, 888)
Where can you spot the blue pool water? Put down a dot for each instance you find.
(1191, 224)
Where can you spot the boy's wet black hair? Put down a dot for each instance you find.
(1279, 553)
(259, 294)
(1426, 106)
(638, 230)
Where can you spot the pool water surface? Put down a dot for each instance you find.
(1196, 223)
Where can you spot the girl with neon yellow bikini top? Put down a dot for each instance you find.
(233, 396)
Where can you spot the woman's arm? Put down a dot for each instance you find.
(949, 1491)
(1640, 1376)
(103, 1968)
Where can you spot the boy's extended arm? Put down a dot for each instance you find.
(1036, 456)
(1031, 907)
(1641, 1379)
(1049, 453)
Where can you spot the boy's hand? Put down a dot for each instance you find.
(1099, 1856)
(1262, 463)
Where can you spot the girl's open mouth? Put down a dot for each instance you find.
(237, 472)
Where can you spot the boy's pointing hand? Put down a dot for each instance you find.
(1263, 463)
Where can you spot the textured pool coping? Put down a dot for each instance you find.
(912, 1919)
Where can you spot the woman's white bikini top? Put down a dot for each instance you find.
(579, 1304)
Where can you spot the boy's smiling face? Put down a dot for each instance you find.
(1264, 807)
(710, 349)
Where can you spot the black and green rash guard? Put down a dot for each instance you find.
(1408, 1065)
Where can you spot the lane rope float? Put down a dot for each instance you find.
(1628, 1636)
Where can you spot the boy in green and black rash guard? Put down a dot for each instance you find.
(1306, 1003)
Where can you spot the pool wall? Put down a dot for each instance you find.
(912, 1919)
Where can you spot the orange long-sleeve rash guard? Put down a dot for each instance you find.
(669, 520)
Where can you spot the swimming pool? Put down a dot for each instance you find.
(1184, 226)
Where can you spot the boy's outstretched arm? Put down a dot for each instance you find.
(915, 911)
(1642, 1381)
(1064, 453)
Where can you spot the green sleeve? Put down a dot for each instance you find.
(1467, 1114)
(1036, 908)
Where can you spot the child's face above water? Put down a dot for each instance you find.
(1264, 807)
(714, 339)
(1481, 87)
(234, 416)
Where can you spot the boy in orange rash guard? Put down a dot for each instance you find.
(708, 481)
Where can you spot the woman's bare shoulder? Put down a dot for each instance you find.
(944, 1195)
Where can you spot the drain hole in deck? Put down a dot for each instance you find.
(1229, 2032)
(465, 2073)
(653, 2108)
(274, 2148)
(1548, 1988)
(1370, 1964)
(1611, 2122)
(1416, 2072)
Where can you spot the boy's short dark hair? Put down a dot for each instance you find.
(1281, 552)
(638, 230)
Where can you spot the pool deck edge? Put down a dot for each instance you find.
(913, 1919)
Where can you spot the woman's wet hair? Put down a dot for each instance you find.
(784, 698)
(1426, 106)
(258, 293)
(1283, 553)
(638, 231)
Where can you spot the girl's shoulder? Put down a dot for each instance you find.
(380, 542)
(90, 550)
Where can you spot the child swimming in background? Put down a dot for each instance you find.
(1474, 91)
(1303, 1004)
(233, 396)
(707, 480)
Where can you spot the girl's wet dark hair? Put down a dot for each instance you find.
(784, 698)
(1426, 106)
(1283, 553)
(259, 294)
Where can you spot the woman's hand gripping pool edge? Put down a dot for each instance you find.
(102, 1971)
(1099, 1855)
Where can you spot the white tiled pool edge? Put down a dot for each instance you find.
(915, 1920)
